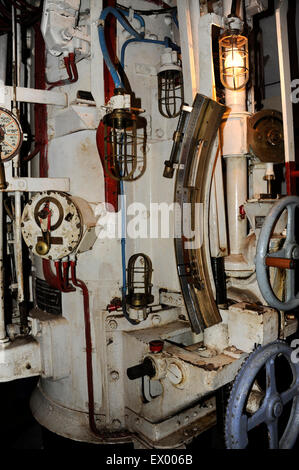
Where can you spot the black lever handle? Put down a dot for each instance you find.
(141, 370)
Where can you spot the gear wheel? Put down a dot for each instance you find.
(241, 418)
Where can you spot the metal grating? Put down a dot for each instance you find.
(47, 298)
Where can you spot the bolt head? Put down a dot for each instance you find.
(112, 324)
(114, 375)
(277, 409)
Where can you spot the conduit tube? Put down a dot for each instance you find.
(3, 337)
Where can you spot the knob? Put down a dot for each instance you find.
(42, 248)
(141, 370)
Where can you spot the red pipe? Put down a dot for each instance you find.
(77, 283)
(50, 278)
(65, 280)
(73, 67)
(57, 281)
(111, 185)
(89, 370)
(64, 286)
(72, 72)
(291, 175)
(40, 110)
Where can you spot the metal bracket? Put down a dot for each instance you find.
(38, 184)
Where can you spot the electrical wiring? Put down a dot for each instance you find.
(162, 11)
(71, 68)
(166, 43)
(123, 255)
(137, 37)
(101, 31)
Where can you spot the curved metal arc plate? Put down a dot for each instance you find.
(190, 188)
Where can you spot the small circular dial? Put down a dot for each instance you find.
(11, 136)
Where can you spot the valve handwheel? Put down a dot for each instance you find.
(273, 403)
(286, 258)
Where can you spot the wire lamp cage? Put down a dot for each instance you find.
(170, 85)
(139, 281)
(124, 144)
(234, 61)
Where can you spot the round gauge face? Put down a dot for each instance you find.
(55, 215)
(10, 135)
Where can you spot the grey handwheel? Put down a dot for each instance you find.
(239, 421)
(286, 257)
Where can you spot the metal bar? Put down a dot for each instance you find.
(31, 95)
(18, 246)
(285, 79)
(282, 263)
(184, 17)
(205, 57)
(38, 184)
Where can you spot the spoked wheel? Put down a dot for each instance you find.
(286, 258)
(251, 405)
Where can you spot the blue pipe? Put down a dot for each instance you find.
(123, 239)
(119, 16)
(167, 43)
(136, 16)
(101, 30)
(175, 18)
(117, 81)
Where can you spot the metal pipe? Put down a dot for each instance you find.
(3, 337)
(236, 161)
(236, 177)
(18, 247)
(14, 60)
(285, 79)
(3, 52)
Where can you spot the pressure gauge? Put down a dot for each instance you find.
(11, 135)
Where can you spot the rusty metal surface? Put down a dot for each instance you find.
(193, 357)
(265, 136)
(175, 430)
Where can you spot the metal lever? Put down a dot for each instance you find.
(141, 370)
(177, 140)
(43, 246)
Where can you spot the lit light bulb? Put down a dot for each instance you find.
(234, 60)
(234, 66)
